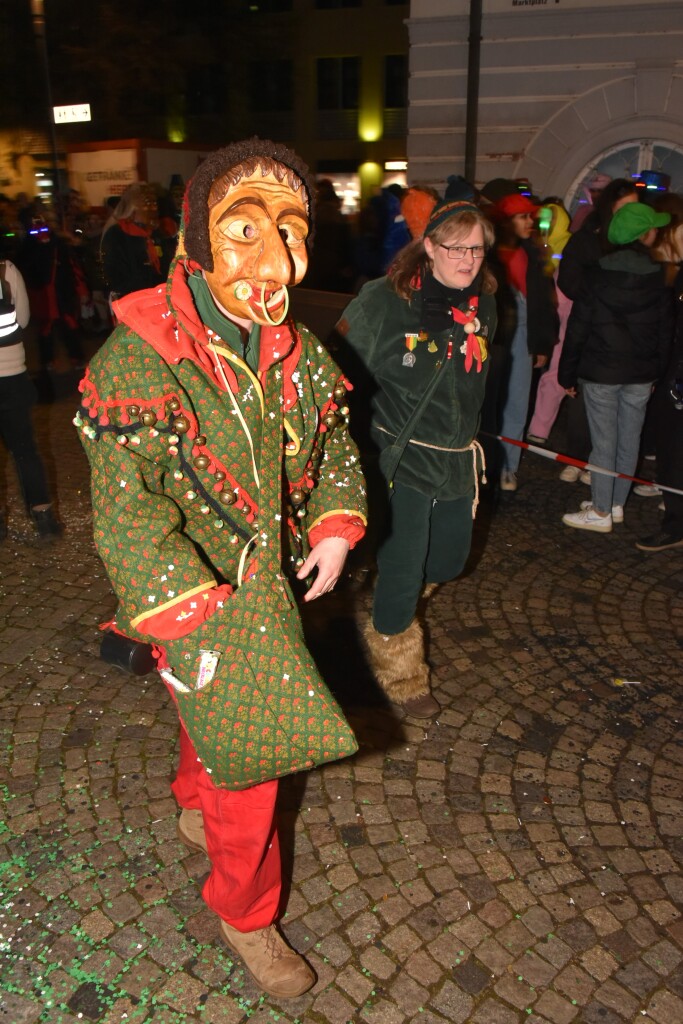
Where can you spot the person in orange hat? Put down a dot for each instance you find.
(416, 206)
(527, 331)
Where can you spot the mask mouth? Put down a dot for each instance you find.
(270, 304)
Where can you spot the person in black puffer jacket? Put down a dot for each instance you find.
(617, 345)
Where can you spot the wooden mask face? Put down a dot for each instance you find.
(258, 243)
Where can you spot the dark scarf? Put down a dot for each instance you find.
(438, 300)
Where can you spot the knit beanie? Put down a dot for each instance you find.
(448, 208)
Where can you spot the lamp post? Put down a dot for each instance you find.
(472, 114)
(38, 16)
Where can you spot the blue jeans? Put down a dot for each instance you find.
(615, 416)
(516, 405)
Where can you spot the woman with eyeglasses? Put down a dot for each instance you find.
(422, 334)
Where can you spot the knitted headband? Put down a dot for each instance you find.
(219, 164)
(448, 208)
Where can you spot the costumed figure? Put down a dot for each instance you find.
(422, 334)
(216, 431)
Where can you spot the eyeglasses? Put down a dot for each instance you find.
(458, 252)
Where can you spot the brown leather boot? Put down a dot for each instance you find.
(401, 670)
(275, 966)
(190, 829)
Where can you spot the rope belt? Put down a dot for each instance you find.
(474, 446)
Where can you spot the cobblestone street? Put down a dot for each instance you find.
(517, 860)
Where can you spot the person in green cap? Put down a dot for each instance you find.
(616, 347)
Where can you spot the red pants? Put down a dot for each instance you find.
(241, 835)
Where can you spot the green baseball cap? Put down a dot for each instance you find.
(633, 220)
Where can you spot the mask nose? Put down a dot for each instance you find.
(275, 262)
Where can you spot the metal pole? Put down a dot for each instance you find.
(473, 59)
(38, 15)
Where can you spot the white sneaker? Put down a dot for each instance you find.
(585, 476)
(588, 519)
(617, 511)
(508, 480)
(647, 491)
(570, 474)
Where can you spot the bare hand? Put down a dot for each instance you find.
(329, 556)
(540, 361)
(572, 392)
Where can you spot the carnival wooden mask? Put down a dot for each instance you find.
(258, 243)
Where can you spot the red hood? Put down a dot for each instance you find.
(167, 318)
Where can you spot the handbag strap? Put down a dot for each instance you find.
(406, 432)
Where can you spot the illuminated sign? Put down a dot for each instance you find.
(76, 112)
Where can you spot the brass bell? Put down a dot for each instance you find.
(174, 404)
(227, 497)
(339, 393)
(330, 419)
(201, 462)
(181, 424)
(219, 475)
(297, 496)
(149, 417)
(133, 410)
(200, 440)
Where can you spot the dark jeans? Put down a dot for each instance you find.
(427, 541)
(17, 395)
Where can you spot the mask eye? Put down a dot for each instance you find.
(292, 234)
(242, 230)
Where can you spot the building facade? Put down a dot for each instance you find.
(330, 79)
(566, 88)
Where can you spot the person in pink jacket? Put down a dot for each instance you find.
(554, 227)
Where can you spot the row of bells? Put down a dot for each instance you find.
(181, 424)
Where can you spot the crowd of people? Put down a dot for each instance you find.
(564, 327)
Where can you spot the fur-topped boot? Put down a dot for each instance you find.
(398, 662)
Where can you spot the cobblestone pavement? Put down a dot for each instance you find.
(517, 860)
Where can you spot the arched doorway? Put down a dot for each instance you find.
(628, 160)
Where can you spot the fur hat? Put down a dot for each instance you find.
(245, 157)
(416, 206)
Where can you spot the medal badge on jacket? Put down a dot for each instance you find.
(411, 345)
